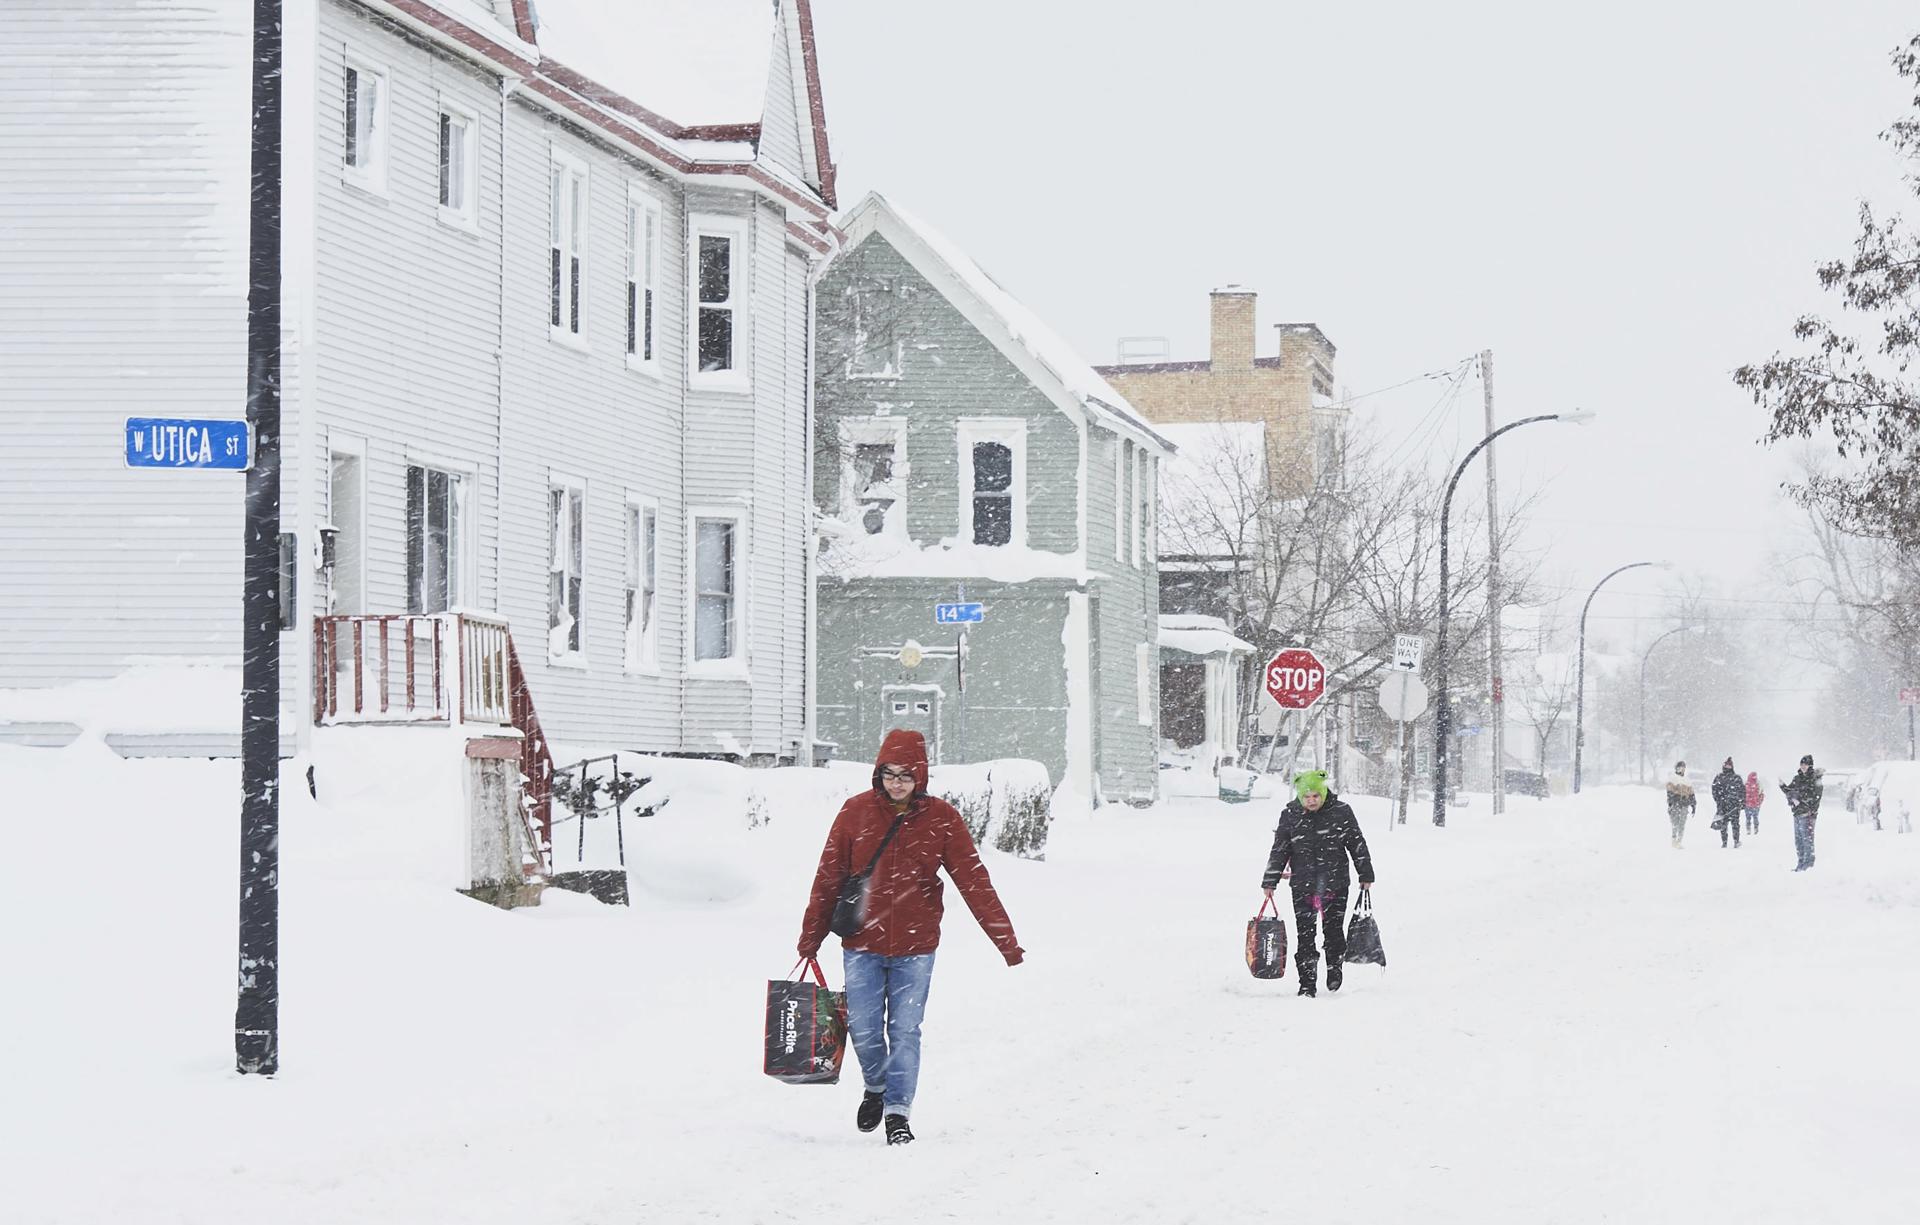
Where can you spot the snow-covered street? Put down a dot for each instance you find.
(1578, 1024)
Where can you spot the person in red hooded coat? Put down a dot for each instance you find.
(889, 961)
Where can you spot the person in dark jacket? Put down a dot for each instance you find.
(1803, 799)
(1755, 795)
(889, 961)
(1729, 797)
(1316, 835)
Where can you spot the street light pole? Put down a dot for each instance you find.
(1443, 709)
(1682, 629)
(1580, 685)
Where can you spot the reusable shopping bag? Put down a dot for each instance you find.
(1267, 943)
(1363, 934)
(806, 1035)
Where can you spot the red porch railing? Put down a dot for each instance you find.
(536, 760)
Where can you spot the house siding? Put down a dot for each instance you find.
(1017, 700)
(122, 293)
(429, 344)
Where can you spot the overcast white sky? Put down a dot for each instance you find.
(1623, 203)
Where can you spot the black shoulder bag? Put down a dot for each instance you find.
(850, 912)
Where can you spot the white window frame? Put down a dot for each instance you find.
(1120, 450)
(1013, 432)
(1138, 489)
(460, 560)
(1143, 681)
(465, 215)
(736, 379)
(859, 293)
(373, 149)
(354, 447)
(870, 431)
(642, 282)
(569, 487)
(734, 665)
(568, 232)
(642, 656)
(1150, 506)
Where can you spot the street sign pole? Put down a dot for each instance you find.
(256, 1018)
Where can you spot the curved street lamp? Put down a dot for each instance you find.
(1443, 709)
(1580, 686)
(1683, 629)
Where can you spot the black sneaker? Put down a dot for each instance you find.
(871, 1104)
(897, 1130)
(1306, 988)
(1334, 974)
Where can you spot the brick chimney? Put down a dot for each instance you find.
(1232, 328)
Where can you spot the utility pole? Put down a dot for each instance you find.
(1493, 600)
(256, 1017)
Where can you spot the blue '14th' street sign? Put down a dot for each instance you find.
(959, 614)
(170, 442)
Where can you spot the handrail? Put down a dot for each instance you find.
(581, 799)
(423, 691)
(536, 761)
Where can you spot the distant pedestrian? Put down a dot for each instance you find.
(1680, 801)
(1905, 825)
(1729, 796)
(1755, 797)
(901, 837)
(1803, 798)
(1316, 836)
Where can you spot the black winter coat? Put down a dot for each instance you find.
(1729, 793)
(1316, 846)
(1803, 793)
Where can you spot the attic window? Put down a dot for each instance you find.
(993, 480)
(873, 311)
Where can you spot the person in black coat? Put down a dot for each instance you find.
(1729, 797)
(1803, 796)
(1316, 836)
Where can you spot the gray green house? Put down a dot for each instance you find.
(965, 456)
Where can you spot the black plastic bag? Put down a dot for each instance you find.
(1267, 943)
(1363, 935)
(806, 1036)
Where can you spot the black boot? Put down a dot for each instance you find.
(871, 1104)
(897, 1130)
(1334, 970)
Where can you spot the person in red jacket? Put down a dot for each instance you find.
(1754, 797)
(889, 961)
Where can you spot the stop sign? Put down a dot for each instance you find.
(1296, 678)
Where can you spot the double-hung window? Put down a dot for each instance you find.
(365, 157)
(993, 480)
(717, 556)
(567, 247)
(436, 539)
(643, 276)
(717, 312)
(873, 307)
(874, 474)
(459, 166)
(643, 590)
(566, 569)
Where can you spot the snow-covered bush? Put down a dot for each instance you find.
(1006, 803)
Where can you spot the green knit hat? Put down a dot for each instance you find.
(1310, 782)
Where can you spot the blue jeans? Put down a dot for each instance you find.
(886, 999)
(1803, 840)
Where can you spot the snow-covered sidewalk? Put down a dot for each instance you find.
(1578, 1024)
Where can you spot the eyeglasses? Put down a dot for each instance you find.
(897, 776)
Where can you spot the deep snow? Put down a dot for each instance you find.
(1578, 1024)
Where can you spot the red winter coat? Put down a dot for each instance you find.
(1754, 794)
(904, 901)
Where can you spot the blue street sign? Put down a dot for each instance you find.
(959, 614)
(172, 442)
(1469, 731)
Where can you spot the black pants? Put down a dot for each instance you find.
(1333, 908)
(1730, 824)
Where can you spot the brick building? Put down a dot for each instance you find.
(1290, 392)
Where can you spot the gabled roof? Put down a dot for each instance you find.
(1047, 360)
(638, 61)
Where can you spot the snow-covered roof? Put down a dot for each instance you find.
(1213, 489)
(856, 555)
(1056, 357)
(1200, 636)
(694, 62)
